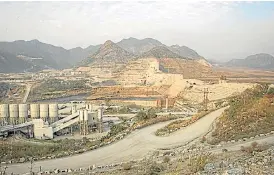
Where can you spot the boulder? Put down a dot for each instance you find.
(56, 171)
(209, 167)
(234, 171)
(22, 160)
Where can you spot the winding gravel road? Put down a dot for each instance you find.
(135, 146)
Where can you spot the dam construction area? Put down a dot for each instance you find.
(125, 119)
(133, 107)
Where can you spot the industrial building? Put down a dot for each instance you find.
(42, 121)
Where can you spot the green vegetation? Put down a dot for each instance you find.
(54, 88)
(155, 169)
(118, 128)
(123, 110)
(176, 125)
(270, 91)
(166, 159)
(147, 122)
(149, 114)
(61, 85)
(198, 163)
(37, 149)
(4, 87)
(249, 114)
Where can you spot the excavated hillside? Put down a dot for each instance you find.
(189, 68)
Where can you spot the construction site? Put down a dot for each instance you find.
(116, 122)
(143, 82)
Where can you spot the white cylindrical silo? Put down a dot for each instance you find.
(23, 113)
(53, 112)
(85, 115)
(4, 114)
(34, 111)
(14, 113)
(90, 107)
(81, 115)
(44, 111)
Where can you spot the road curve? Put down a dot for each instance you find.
(135, 146)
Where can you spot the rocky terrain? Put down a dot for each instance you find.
(160, 52)
(137, 47)
(140, 46)
(108, 54)
(185, 52)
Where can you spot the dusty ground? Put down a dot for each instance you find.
(216, 91)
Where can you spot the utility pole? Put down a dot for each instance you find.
(205, 98)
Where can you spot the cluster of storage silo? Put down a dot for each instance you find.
(47, 112)
(13, 114)
(18, 113)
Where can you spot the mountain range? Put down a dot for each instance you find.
(258, 61)
(31, 56)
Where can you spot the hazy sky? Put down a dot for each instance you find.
(216, 30)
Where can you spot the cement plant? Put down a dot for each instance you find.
(108, 99)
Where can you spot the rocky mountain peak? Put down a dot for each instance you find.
(108, 42)
(160, 52)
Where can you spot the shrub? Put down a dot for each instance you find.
(155, 169)
(197, 163)
(203, 139)
(254, 144)
(166, 159)
(224, 150)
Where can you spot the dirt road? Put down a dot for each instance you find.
(134, 146)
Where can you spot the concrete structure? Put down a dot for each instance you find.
(14, 114)
(166, 104)
(53, 113)
(4, 114)
(73, 108)
(85, 115)
(23, 113)
(44, 111)
(100, 119)
(42, 130)
(34, 111)
(92, 117)
(100, 113)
